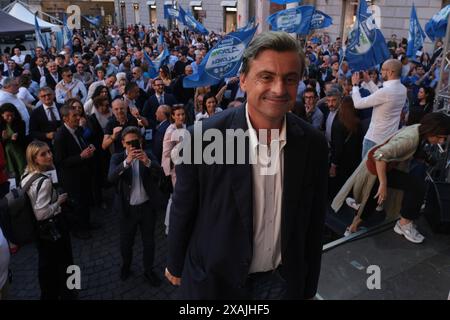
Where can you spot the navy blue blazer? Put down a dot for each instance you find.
(211, 219)
(158, 138)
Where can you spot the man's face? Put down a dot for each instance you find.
(11, 65)
(13, 87)
(52, 67)
(80, 68)
(72, 119)
(271, 83)
(127, 141)
(159, 86)
(385, 73)
(160, 115)
(46, 97)
(332, 103)
(310, 100)
(113, 51)
(133, 93)
(188, 70)
(119, 109)
(110, 81)
(67, 76)
(17, 51)
(38, 52)
(136, 74)
(39, 62)
(198, 58)
(420, 71)
(100, 51)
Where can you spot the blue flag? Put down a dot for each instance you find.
(189, 21)
(437, 26)
(367, 46)
(416, 35)
(250, 25)
(94, 21)
(40, 38)
(171, 12)
(293, 20)
(320, 20)
(67, 34)
(222, 61)
(284, 1)
(154, 65)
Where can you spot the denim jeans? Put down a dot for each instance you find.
(367, 145)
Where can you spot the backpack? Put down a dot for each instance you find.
(18, 217)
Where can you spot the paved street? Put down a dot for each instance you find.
(99, 260)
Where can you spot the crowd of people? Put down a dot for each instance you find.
(93, 113)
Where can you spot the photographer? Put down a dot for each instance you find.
(53, 243)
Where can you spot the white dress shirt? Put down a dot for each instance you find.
(6, 97)
(267, 199)
(19, 59)
(53, 109)
(138, 195)
(387, 104)
(76, 87)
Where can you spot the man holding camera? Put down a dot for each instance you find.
(136, 174)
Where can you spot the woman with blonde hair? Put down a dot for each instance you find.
(53, 239)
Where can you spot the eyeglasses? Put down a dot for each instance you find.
(309, 98)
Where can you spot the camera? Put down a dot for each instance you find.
(135, 144)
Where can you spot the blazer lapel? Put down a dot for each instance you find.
(242, 177)
(295, 152)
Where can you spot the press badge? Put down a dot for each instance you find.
(148, 134)
(52, 175)
(12, 183)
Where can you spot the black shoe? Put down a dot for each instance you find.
(83, 235)
(124, 273)
(153, 279)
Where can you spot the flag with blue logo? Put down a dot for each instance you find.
(40, 38)
(189, 21)
(294, 20)
(285, 1)
(416, 35)
(96, 21)
(366, 46)
(154, 65)
(67, 34)
(437, 26)
(222, 61)
(320, 20)
(170, 12)
(248, 26)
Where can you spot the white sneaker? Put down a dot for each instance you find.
(409, 231)
(379, 208)
(352, 203)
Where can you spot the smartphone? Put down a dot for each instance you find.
(135, 144)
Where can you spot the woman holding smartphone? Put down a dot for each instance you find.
(53, 243)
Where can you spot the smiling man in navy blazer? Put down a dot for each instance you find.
(237, 231)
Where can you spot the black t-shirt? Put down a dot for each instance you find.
(112, 123)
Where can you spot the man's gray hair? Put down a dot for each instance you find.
(334, 92)
(65, 110)
(7, 82)
(272, 40)
(46, 89)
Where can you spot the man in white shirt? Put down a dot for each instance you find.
(387, 104)
(18, 57)
(8, 94)
(69, 88)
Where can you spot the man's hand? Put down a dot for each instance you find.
(50, 135)
(332, 172)
(116, 131)
(132, 155)
(5, 135)
(14, 136)
(355, 78)
(142, 156)
(87, 153)
(172, 279)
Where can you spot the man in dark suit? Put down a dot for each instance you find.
(253, 230)
(135, 174)
(73, 163)
(13, 71)
(163, 117)
(53, 77)
(46, 119)
(152, 104)
(39, 70)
